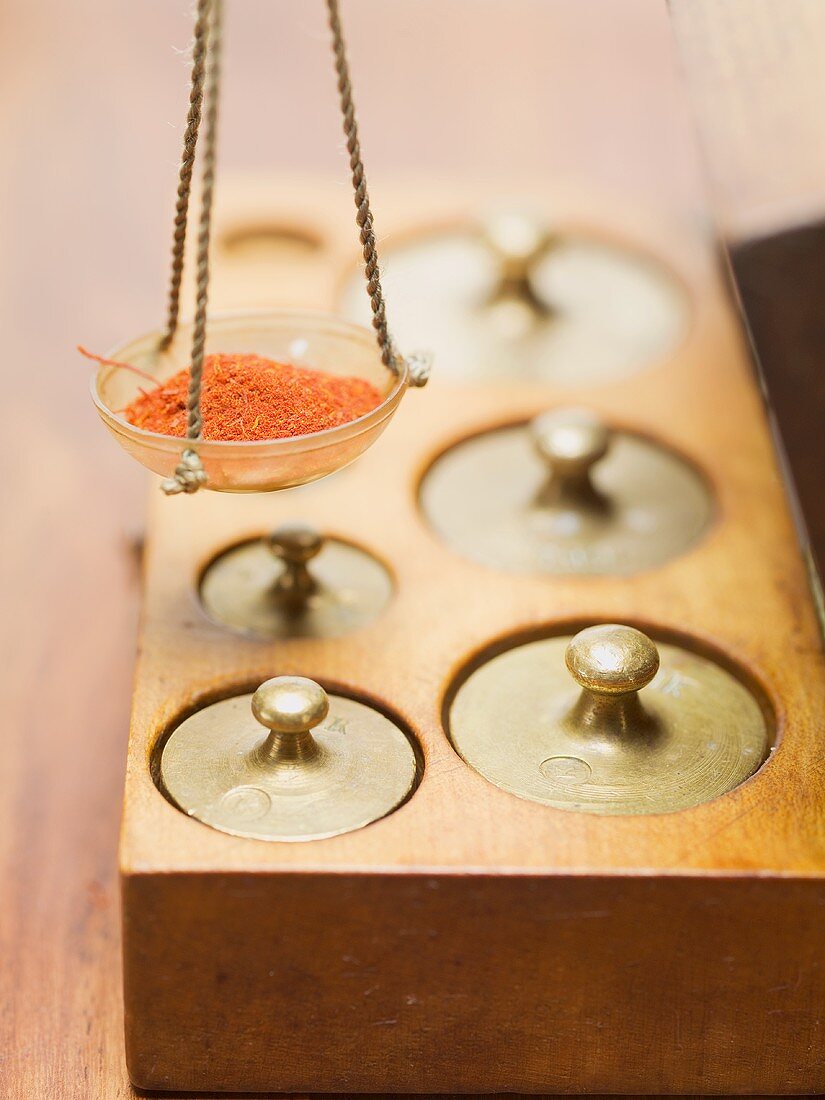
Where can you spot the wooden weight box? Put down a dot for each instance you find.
(472, 941)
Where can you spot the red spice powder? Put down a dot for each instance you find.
(247, 397)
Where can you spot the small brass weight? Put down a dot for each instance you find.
(510, 297)
(288, 762)
(295, 583)
(565, 494)
(608, 722)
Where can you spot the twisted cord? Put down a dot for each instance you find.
(194, 423)
(363, 216)
(187, 164)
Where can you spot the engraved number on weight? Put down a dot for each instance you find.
(335, 725)
(246, 803)
(566, 771)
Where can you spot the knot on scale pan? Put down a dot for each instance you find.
(288, 762)
(511, 295)
(565, 493)
(294, 583)
(256, 401)
(609, 721)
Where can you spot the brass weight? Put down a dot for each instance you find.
(608, 722)
(288, 762)
(508, 297)
(294, 584)
(565, 494)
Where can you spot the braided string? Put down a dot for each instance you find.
(189, 474)
(187, 164)
(194, 423)
(419, 364)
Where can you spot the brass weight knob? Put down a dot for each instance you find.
(571, 442)
(519, 243)
(611, 664)
(594, 723)
(612, 660)
(295, 544)
(290, 707)
(288, 762)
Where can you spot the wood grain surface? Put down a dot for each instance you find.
(91, 102)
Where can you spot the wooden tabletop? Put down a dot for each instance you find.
(92, 98)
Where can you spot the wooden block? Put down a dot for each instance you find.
(472, 941)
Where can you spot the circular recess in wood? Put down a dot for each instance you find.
(607, 721)
(565, 493)
(264, 240)
(512, 298)
(287, 762)
(294, 583)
